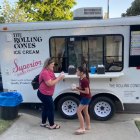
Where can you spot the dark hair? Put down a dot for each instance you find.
(84, 70)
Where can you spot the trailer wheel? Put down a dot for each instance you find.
(67, 107)
(102, 108)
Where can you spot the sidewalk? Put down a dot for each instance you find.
(121, 127)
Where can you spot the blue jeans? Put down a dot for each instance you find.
(48, 108)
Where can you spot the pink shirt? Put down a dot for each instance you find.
(46, 75)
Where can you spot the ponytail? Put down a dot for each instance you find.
(87, 74)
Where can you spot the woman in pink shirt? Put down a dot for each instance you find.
(45, 92)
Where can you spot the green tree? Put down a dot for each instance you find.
(134, 10)
(46, 10)
(1, 16)
(12, 13)
(2, 19)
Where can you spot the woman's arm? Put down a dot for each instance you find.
(53, 82)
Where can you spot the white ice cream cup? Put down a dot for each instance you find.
(73, 86)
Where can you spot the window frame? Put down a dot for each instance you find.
(101, 35)
(122, 50)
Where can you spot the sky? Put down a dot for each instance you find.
(116, 7)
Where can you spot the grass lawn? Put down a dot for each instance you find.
(138, 124)
(4, 125)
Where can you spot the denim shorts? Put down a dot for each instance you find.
(85, 101)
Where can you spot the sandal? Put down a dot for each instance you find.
(88, 127)
(79, 132)
(85, 128)
(55, 126)
(45, 125)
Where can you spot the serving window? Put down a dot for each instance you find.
(87, 51)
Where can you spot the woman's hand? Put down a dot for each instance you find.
(61, 76)
(53, 82)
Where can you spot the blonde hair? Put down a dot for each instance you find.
(47, 62)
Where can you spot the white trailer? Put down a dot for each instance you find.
(115, 43)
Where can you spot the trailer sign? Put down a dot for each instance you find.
(26, 44)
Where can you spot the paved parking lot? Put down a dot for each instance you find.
(26, 127)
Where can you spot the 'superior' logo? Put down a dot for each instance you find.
(25, 68)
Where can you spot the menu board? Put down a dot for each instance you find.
(135, 43)
(134, 54)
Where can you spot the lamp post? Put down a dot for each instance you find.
(107, 8)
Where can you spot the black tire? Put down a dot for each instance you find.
(102, 108)
(67, 107)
